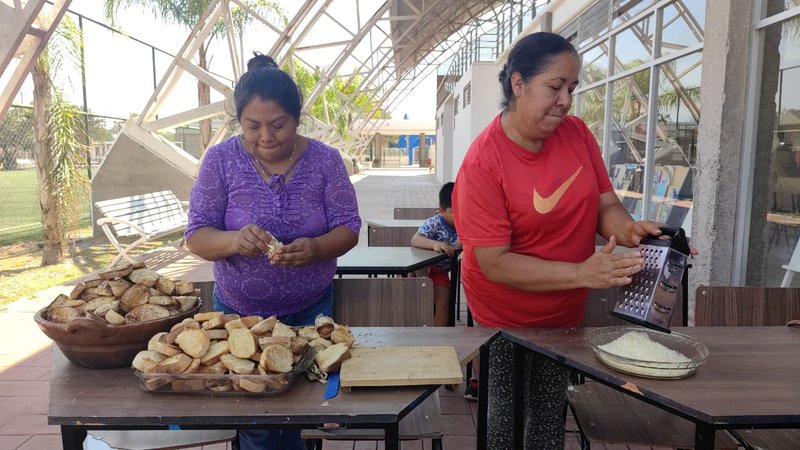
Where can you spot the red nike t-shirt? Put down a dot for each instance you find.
(541, 204)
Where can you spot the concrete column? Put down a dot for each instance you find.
(728, 33)
(546, 22)
(378, 151)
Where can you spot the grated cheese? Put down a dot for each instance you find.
(638, 346)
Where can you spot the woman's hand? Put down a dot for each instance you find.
(297, 254)
(251, 240)
(634, 232)
(605, 269)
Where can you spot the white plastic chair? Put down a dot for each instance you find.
(792, 267)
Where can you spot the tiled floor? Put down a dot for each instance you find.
(25, 351)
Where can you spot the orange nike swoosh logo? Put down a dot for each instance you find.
(544, 205)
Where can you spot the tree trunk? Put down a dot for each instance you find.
(53, 250)
(203, 98)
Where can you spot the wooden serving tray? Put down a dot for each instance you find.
(401, 366)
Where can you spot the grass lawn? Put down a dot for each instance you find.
(21, 272)
(20, 214)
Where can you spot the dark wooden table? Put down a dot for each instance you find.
(751, 378)
(85, 399)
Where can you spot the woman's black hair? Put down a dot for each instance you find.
(531, 56)
(265, 80)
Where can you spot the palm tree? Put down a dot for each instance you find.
(188, 13)
(57, 126)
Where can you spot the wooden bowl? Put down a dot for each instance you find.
(96, 344)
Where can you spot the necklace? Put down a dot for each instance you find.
(263, 171)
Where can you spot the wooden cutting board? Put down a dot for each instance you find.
(400, 366)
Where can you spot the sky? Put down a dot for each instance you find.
(120, 75)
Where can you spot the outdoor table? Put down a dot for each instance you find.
(373, 261)
(397, 232)
(386, 260)
(750, 379)
(86, 399)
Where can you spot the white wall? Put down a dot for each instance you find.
(444, 142)
(484, 106)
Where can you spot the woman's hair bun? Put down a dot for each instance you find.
(260, 60)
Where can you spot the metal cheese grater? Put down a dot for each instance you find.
(651, 296)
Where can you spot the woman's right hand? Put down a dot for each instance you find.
(605, 269)
(251, 240)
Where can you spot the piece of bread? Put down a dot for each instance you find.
(156, 383)
(115, 318)
(184, 287)
(185, 302)
(146, 312)
(215, 352)
(62, 314)
(330, 359)
(212, 369)
(97, 302)
(144, 276)
(161, 300)
(325, 330)
(277, 359)
(118, 271)
(134, 296)
(251, 385)
(272, 244)
(193, 342)
(103, 289)
(322, 320)
(165, 285)
(158, 344)
(147, 360)
(283, 330)
(238, 365)
(176, 329)
(298, 345)
(309, 332)
(343, 335)
(174, 364)
(194, 366)
(266, 341)
(320, 344)
(118, 287)
(77, 290)
(217, 334)
(104, 308)
(219, 385)
(202, 317)
(242, 342)
(265, 325)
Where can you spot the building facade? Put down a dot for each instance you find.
(696, 107)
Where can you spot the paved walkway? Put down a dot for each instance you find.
(25, 350)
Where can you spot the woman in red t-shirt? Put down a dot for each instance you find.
(530, 196)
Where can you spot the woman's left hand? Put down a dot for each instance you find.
(299, 253)
(638, 230)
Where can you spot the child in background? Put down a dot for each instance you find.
(438, 233)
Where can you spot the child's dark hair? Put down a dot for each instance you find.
(446, 195)
(266, 80)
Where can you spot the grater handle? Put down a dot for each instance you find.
(678, 238)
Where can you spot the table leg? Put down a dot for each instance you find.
(72, 437)
(483, 401)
(704, 436)
(454, 277)
(392, 436)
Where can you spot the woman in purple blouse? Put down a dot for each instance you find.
(270, 181)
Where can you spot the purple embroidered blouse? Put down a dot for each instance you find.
(229, 194)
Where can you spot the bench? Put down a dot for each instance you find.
(148, 216)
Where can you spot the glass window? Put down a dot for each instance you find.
(775, 220)
(625, 9)
(634, 45)
(628, 139)
(591, 106)
(595, 64)
(675, 151)
(683, 25)
(779, 6)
